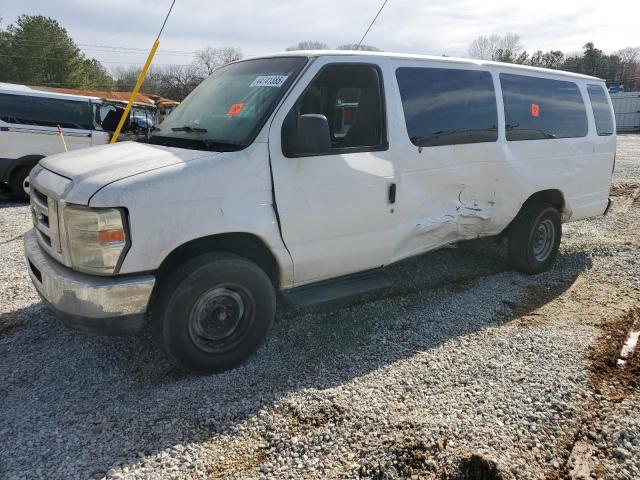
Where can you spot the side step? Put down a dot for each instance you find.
(338, 288)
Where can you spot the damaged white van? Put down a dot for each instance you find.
(307, 173)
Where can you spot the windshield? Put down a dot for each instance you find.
(226, 111)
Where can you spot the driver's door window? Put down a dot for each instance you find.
(349, 97)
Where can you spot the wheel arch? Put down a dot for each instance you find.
(550, 196)
(25, 161)
(247, 245)
(553, 196)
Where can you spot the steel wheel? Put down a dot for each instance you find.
(220, 318)
(534, 237)
(543, 240)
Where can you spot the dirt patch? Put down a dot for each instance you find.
(405, 459)
(319, 416)
(613, 384)
(412, 458)
(627, 190)
(241, 464)
(477, 467)
(606, 376)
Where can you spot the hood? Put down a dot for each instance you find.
(92, 168)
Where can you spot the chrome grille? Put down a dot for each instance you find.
(47, 190)
(45, 218)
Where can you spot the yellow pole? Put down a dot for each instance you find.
(136, 89)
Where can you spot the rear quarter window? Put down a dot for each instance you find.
(43, 111)
(446, 106)
(601, 110)
(540, 108)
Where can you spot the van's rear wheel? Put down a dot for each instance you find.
(19, 183)
(534, 238)
(215, 312)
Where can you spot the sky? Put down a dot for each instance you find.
(433, 27)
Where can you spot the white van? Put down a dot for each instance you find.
(29, 120)
(307, 173)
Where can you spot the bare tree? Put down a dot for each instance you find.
(629, 65)
(355, 46)
(177, 81)
(126, 78)
(628, 54)
(209, 59)
(496, 47)
(308, 45)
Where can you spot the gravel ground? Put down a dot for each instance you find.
(464, 368)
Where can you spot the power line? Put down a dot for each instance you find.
(109, 48)
(100, 61)
(372, 22)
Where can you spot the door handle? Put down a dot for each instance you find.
(392, 193)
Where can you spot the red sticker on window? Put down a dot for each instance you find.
(535, 110)
(235, 109)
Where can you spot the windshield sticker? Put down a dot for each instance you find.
(269, 81)
(235, 109)
(535, 110)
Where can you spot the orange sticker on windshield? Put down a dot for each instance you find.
(235, 109)
(535, 110)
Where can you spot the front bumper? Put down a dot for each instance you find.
(92, 304)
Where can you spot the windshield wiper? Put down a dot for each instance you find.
(187, 128)
(194, 143)
(218, 146)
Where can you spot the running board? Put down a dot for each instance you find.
(338, 288)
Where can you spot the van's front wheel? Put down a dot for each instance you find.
(215, 312)
(534, 238)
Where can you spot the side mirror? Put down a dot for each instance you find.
(312, 135)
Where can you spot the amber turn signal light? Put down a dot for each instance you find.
(110, 236)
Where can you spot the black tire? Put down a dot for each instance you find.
(16, 183)
(534, 238)
(214, 312)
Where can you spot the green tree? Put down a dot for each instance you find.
(594, 60)
(38, 51)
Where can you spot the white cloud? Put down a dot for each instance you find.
(414, 26)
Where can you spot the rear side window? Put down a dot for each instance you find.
(48, 112)
(444, 106)
(540, 108)
(601, 110)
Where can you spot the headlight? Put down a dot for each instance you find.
(96, 238)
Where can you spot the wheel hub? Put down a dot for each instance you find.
(543, 240)
(216, 314)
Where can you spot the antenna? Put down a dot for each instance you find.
(165, 19)
(371, 24)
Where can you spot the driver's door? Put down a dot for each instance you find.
(336, 208)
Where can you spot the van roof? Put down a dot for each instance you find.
(26, 90)
(405, 56)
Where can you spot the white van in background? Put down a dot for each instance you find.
(29, 122)
(308, 173)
